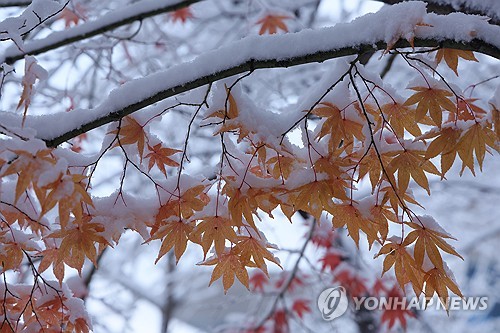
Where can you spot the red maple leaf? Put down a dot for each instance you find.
(300, 307)
(258, 280)
(330, 260)
(398, 313)
(182, 15)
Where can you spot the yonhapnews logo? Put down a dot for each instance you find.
(333, 303)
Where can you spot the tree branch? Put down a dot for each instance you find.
(252, 64)
(14, 3)
(439, 7)
(112, 20)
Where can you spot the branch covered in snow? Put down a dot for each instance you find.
(490, 8)
(14, 3)
(112, 20)
(379, 31)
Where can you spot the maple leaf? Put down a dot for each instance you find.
(467, 110)
(331, 260)
(451, 57)
(215, 230)
(405, 267)
(281, 166)
(190, 201)
(227, 266)
(427, 241)
(393, 314)
(32, 72)
(280, 319)
(300, 307)
(50, 256)
(348, 214)
(437, 281)
(316, 197)
(354, 284)
(182, 15)
(370, 165)
(229, 116)
(401, 118)
(79, 242)
(432, 101)
(395, 196)
(258, 280)
(240, 204)
(249, 248)
(380, 215)
(495, 114)
(173, 234)
(69, 193)
(340, 129)
(11, 251)
(475, 141)
(28, 167)
(130, 132)
(445, 145)
(160, 156)
(272, 23)
(411, 163)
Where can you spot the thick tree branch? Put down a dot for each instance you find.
(439, 7)
(252, 64)
(112, 20)
(14, 3)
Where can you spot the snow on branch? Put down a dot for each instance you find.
(14, 3)
(392, 27)
(490, 8)
(112, 20)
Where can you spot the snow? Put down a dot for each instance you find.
(139, 93)
(113, 18)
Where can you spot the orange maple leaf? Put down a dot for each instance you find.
(272, 23)
(251, 248)
(432, 101)
(227, 266)
(405, 267)
(215, 230)
(475, 140)
(451, 57)
(28, 167)
(159, 156)
(131, 132)
(174, 234)
(79, 242)
(411, 163)
(428, 241)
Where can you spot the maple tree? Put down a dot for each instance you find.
(192, 146)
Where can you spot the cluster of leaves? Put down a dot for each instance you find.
(358, 130)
